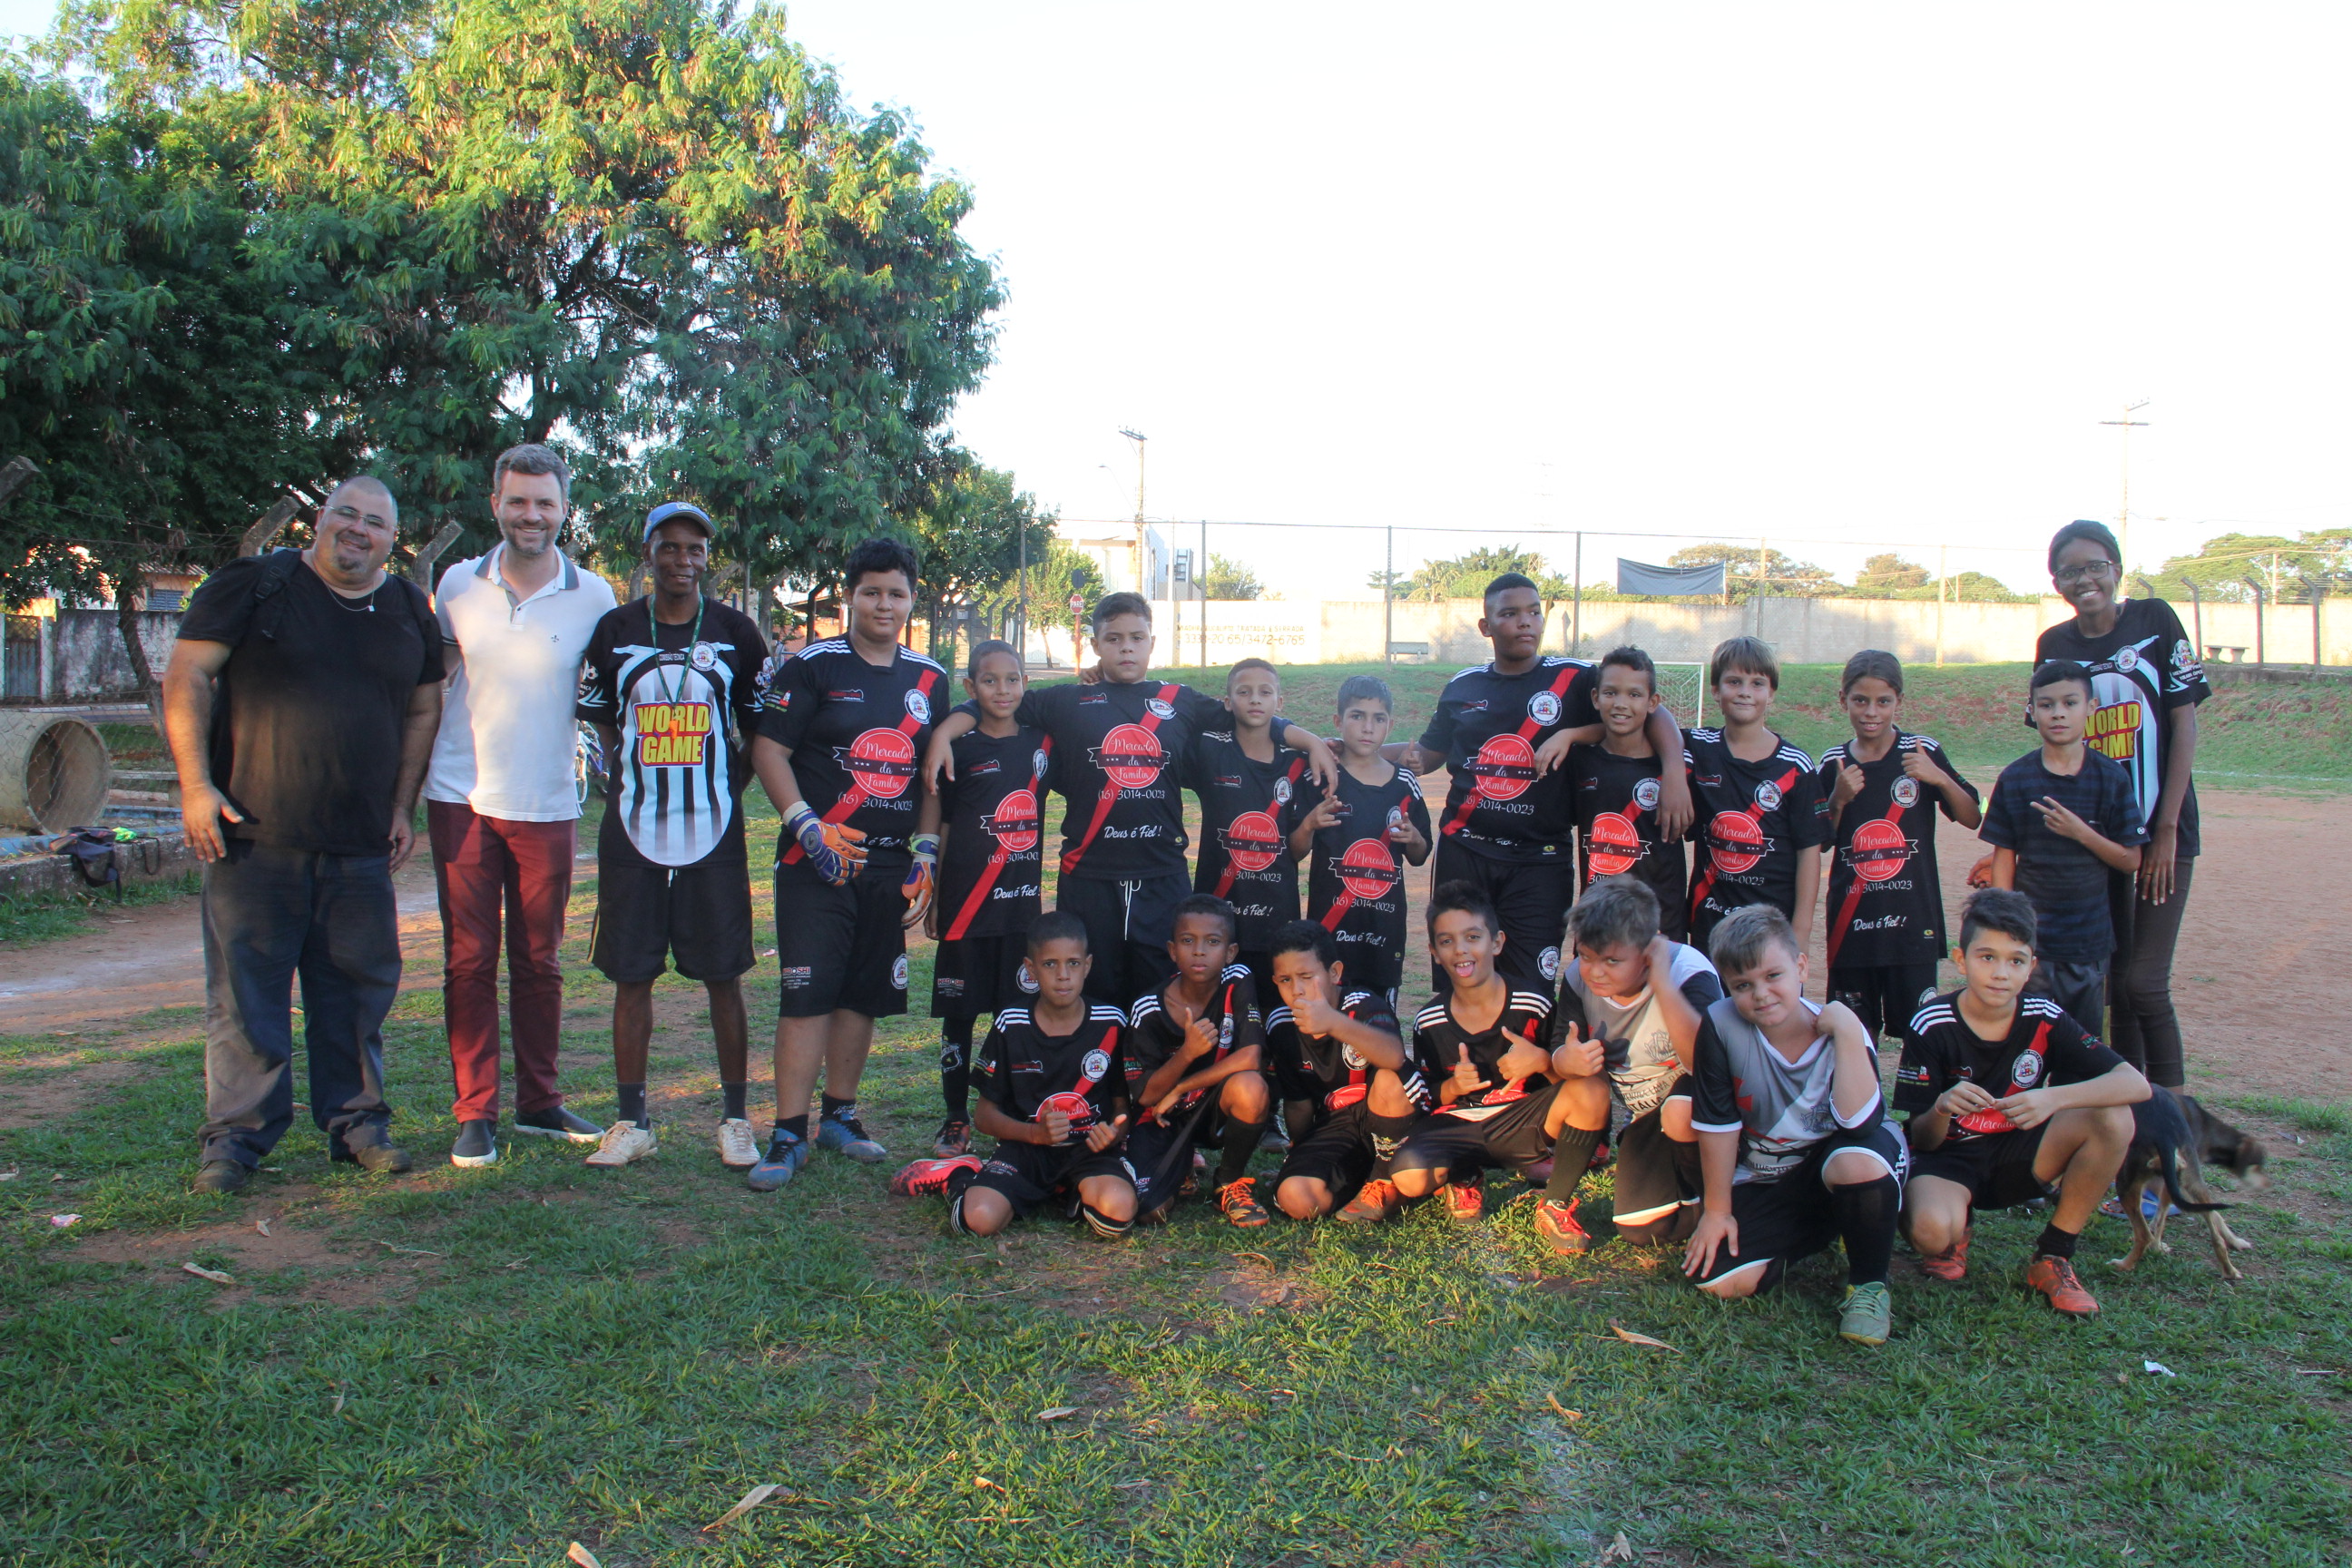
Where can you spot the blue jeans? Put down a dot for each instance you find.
(269, 914)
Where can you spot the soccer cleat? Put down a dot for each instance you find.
(1374, 1203)
(2054, 1277)
(846, 1135)
(1199, 1168)
(1238, 1199)
(738, 1146)
(624, 1141)
(476, 1145)
(925, 1177)
(1868, 1316)
(1558, 1224)
(1951, 1265)
(1465, 1202)
(785, 1156)
(954, 1137)
(558, 1122)
(223, 1176)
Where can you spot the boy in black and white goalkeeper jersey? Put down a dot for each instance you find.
(1793, 1142)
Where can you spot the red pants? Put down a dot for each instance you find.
(485, 865)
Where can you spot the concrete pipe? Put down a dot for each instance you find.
(53, 773)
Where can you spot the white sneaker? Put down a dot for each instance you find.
(738, 1146)
(622, 1142)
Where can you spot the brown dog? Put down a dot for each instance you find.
(2168, 1126)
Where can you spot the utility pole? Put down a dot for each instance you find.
(1576, 610)
(2123, 519)
(1021, 638)
(1201, 572)
(1388, 602)
(1138, 437)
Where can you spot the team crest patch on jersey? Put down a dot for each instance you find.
(703, 657)
(2126, 659)
(1767, 795)
(919, 705)
(898, 972)
(1505, 767)
(1544, 707)
(2183, 656)
(1037, 763)
(1225, 1033)
(1352, 1056)
(1281, 792)
(1548, 963)
(1159, 710)
(1906, 791)
(1023, 979)
(1645, 794)
(882, 761)
(2026, 1072)
(1095, 1066)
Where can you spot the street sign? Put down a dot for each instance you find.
(1077, 603)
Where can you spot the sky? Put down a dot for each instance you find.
(1840, 278)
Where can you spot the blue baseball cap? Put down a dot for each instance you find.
(677, 510)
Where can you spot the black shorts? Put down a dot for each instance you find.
(1789, 1217)
(1884, 995)
(1510, 1139)
(977, 975)
(1128, 927)
(1531, 899)
(1161, 1152)
(1030, 1174)
(647, 915)
(2079, 988)
(1996, 1170)
(1340, 1152)
(841, 947)
(1650, 1186)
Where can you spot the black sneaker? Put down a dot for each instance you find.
(557, 1121)
(223, 1176)
(371, 1148)
(476, 1145)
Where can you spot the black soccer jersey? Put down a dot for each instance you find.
(680, 772)
(1438, 1039)
(1886, 900)
(1615, 800)
(856, 731)
(1329, 1073)
(1154, 1034)
(2044, 1045)
(1488, 727)
(2142, 674)
(1355, 875)
(2068, 885)
(1247, 810)
(1756, 819)
(1020, 1068)
(992, 861)
(1117, 766)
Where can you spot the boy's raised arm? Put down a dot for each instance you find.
(1853, 1083)
(1674, 810)
(2119, 1085)
(939, 757)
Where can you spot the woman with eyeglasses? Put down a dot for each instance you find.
(2145, 682)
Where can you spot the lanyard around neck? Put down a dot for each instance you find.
(671, 691)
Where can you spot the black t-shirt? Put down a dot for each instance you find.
(1119, 750)
(856, 732)
(678, 777)
(1154, 1034)
(2044, 1045)
(310, 708)
(1488, 727)
(2066, 882)
(1755, 820)
(992, 861)
(2143, 673)
(1616, 804)
(1438, 1038)
(1021, 1067)
(1328, 1073)
(1247, 810)
(1886, 897)
(1355, 875)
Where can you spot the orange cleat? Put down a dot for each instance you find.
(925, 1177)
(1238, 1198)
(1556, 1224)
(1951, 1265)
(1465, 1202)
(2054, 1277)
(1374, 1203)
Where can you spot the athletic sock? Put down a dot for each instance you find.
(795, 1125)
(955, 1068)
(734, 1093)
(834, 1110)
(1387, 1133)
(1570, 1156)
(1865, 1218)
(1241, 1143)
(632, 1104)
(2055, 1242)
(1687, 1169)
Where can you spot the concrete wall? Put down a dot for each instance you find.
(82, 657)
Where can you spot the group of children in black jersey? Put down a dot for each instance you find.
(1583, 975)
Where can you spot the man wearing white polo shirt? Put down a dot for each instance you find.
(502, 801)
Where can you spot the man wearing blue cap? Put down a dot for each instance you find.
(671, 683)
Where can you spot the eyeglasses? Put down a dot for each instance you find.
(352, 514)
(2067, 576)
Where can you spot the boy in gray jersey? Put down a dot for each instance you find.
(1793, 1142)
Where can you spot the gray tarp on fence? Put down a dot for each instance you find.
(1670, 581)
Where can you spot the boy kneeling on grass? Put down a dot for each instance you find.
(1793, 1142)
(1193, 1067)
(2008, 1100)
(1051, 1083)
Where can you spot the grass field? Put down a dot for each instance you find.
(484, 1366)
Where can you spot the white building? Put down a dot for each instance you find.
(1112, 547)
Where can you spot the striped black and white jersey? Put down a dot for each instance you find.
(1488, 727)
(1154, 1034)
(1756, 820)
(685, 714)
(2044, 1045)
(1020, 1068)
(1331, 1074)
(1439, 1038)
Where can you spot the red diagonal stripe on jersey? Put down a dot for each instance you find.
(1109, 794)
(1527, 728)
(1225, 882)
(1838, 927)
(1215, 1055)
(1754, 811)
(855, 795)
(999, 856)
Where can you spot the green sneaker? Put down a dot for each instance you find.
(1868, 1318)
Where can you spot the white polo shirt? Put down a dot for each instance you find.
(507, 736)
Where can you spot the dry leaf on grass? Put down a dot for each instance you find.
(1618, 1550)
(201, 1272)
(749, 1501)
(1630, 1338)
(1057, 1412)
(262, 1225)
(1565, 1413)
(583, 1556)
(63, 1220)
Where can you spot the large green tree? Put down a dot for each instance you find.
(1782, 576)
(2229, 565)
(972, 534)
(1466, 576)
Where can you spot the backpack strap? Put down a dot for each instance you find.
(275, 575)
